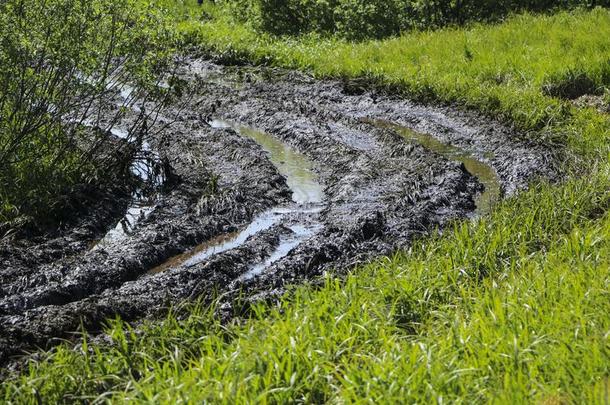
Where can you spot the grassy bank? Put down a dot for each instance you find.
(506, 70)
(512, 308)
(362, 19)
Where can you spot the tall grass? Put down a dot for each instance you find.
(511, 308)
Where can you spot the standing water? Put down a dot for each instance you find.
(141, 206)
(477, 168)
(307, 195)
(297, 169)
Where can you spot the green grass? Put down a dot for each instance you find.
(512, 308)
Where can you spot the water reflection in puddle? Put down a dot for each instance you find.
(479, 169)
(145, 167)
(297, 169)
(138, 211)
(307, 195)
(221, 243)
(181, 259)
(287, 243)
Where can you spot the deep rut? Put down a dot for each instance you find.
(282, 178)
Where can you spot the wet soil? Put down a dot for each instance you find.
(600, 103)
(279, 178)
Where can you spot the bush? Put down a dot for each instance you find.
(58, 59)
(355, 19)
(358, 19)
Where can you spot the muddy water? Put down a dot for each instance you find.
(287, 243)
(142, 167)
(141, 206)
(221, 243)
(478, 168)
(297, 169)
(300, 217)
(138, 211)
(210, 247)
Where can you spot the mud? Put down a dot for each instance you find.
(279, 178)
(599, 103)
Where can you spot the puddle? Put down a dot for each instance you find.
(126, 91)
(141, 206)
(138, 211)
(145, 166)
(297, 169)
(119, 132)
(479, 169)
(307, 195)
(221, 243)
(181, 259)
(287, 243)
(130, 97)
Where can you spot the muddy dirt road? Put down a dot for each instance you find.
(278, 178)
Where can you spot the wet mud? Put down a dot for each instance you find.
(278, 178)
